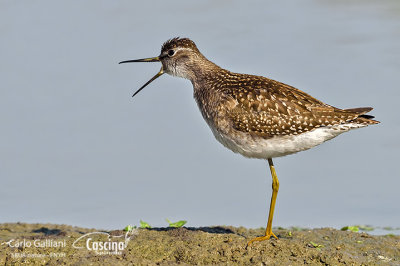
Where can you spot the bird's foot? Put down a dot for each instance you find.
(262, 238)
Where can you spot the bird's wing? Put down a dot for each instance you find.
(268, 108)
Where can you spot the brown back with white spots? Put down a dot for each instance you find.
(268, 108)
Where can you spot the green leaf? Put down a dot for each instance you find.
(144, 224)
(315, 245)
(176, 224)
(129, 228)
(350, 228)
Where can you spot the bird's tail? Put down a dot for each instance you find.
(362, 118)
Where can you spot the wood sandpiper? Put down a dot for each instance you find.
(252, 115)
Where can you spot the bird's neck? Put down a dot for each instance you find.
(208, 82)
(204, 73)
(199, 68)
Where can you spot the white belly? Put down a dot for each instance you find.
(257, 147)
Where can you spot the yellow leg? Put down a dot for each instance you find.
(275, 188)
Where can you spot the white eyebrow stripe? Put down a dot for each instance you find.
(181, 49)
(176, 49)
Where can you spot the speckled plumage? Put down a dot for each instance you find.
(246, 111)
(255, 116)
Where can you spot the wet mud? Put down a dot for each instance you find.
(49, 244)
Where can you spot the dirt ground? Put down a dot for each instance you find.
(38, 244)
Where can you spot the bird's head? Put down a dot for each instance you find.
(179, 57)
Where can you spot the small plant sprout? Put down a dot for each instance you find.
(144, 225)
(350, 228)
(176, 224)
(315, 245)
(129, 228)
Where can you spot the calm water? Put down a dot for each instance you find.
(77, 149)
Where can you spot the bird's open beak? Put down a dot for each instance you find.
(152, 59)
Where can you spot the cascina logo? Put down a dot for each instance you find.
(103, 243)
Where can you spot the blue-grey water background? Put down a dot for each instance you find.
(77, 149)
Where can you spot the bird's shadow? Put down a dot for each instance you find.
(207, 229)
(46, 231)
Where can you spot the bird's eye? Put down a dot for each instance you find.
(171, 52)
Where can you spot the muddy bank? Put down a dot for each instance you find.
(62, 244)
